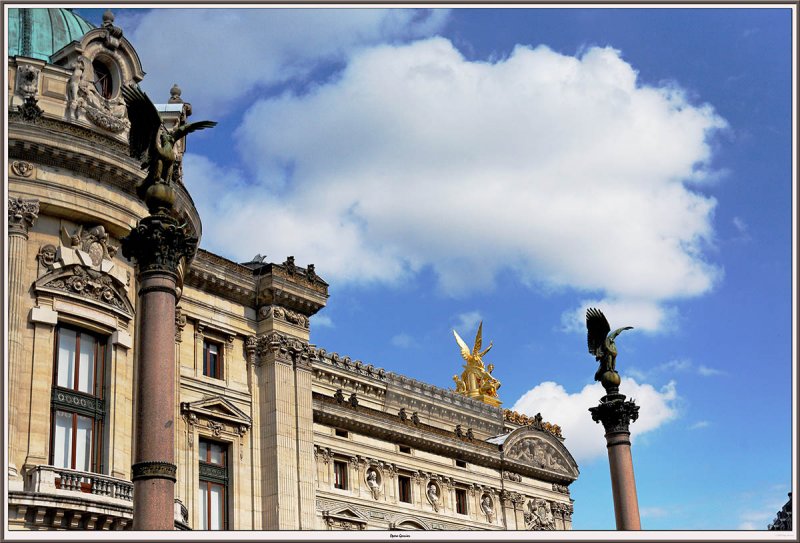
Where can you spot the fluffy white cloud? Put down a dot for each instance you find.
(243, 48)
(583, 437)
(403, 341)
(564, 169)
(467, 323)
(642, 314)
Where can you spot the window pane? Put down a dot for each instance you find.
(217, 454)
(62, 440)
(66, 358)
(86, 365)
(202, 499)
(217, 507)
(204, 450)
(83, 444)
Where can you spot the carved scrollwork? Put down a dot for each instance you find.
(539, 515)
(22, 214)
(92, 284)
(159, 243)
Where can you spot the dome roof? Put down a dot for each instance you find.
(40, 32)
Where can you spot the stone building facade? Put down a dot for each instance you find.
(271, 432)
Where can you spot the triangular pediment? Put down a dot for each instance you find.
(346, 512)
(217, 407)
(87, 285)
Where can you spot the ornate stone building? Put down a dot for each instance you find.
(271, 432)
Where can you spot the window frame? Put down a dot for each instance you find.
(214, 475)
(220, 347)
(461, 501)
(94, 408)
(401, 479)
(340, 475)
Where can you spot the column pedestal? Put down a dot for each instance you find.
(616, 414)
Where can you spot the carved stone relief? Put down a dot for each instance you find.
(28, 80)
(539, 515)
(22, 168)
(538, 453)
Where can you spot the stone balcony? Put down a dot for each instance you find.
(59, 498)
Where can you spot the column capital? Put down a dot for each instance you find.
(22, 214)
(159, 243)
(615, 413)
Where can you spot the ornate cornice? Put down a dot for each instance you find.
(22, 215)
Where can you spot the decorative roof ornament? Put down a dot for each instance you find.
(175, 95)
(476, 381)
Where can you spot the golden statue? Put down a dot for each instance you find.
(476, 381)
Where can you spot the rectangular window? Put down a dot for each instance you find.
(341, 433)
(461, 501)
(212, 359)
(405, 450)
(340, 475)
(77, 407)
(404, 486)
(213, 487)
(461, 464)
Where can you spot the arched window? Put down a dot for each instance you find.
(102, 79)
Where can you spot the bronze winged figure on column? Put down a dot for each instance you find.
(150, 140)
(601, 342)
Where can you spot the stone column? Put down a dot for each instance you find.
(161, 249)
(616, 414)
(22, 214)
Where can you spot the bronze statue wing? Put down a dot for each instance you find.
(144, 118)
(464, 349)
(185, 129)
(597, 329)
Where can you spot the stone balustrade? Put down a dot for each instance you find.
(50, 479)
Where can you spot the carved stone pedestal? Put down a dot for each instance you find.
(161, 249)
(616, 414)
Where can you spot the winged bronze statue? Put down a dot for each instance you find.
(601, 342)
(473, 357)
(150, 140)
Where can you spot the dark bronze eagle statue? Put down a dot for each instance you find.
(601, 343)
(150, 140)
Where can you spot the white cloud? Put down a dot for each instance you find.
(561, 168)
(705, 371)
(681, 365)
(467, 323)
(404, 341)
(321, 321)
(244, 48)
(646, 315)
(583, 437)
(653, 512)
(700, 424)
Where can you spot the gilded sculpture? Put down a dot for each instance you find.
(602, 346)
(476, 381)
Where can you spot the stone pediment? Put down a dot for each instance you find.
(84, 283)
(542, 451)
(217, 408)
(345, 518)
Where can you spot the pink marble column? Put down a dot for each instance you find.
(616, 414)
(161, 250)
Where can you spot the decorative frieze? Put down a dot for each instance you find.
(282, 314)
(535, 422)
(153, 470)
(539, 515)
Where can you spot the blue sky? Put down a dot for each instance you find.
(514, 166)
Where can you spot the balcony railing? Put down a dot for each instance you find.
(50, 479)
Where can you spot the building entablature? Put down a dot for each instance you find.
(291, 287)
(391, 428)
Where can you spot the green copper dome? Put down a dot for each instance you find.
(40, 32)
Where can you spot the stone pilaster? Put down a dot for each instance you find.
(251, 350)
(305, 438)
(22, 215)
(161, 249)
(616, 414)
